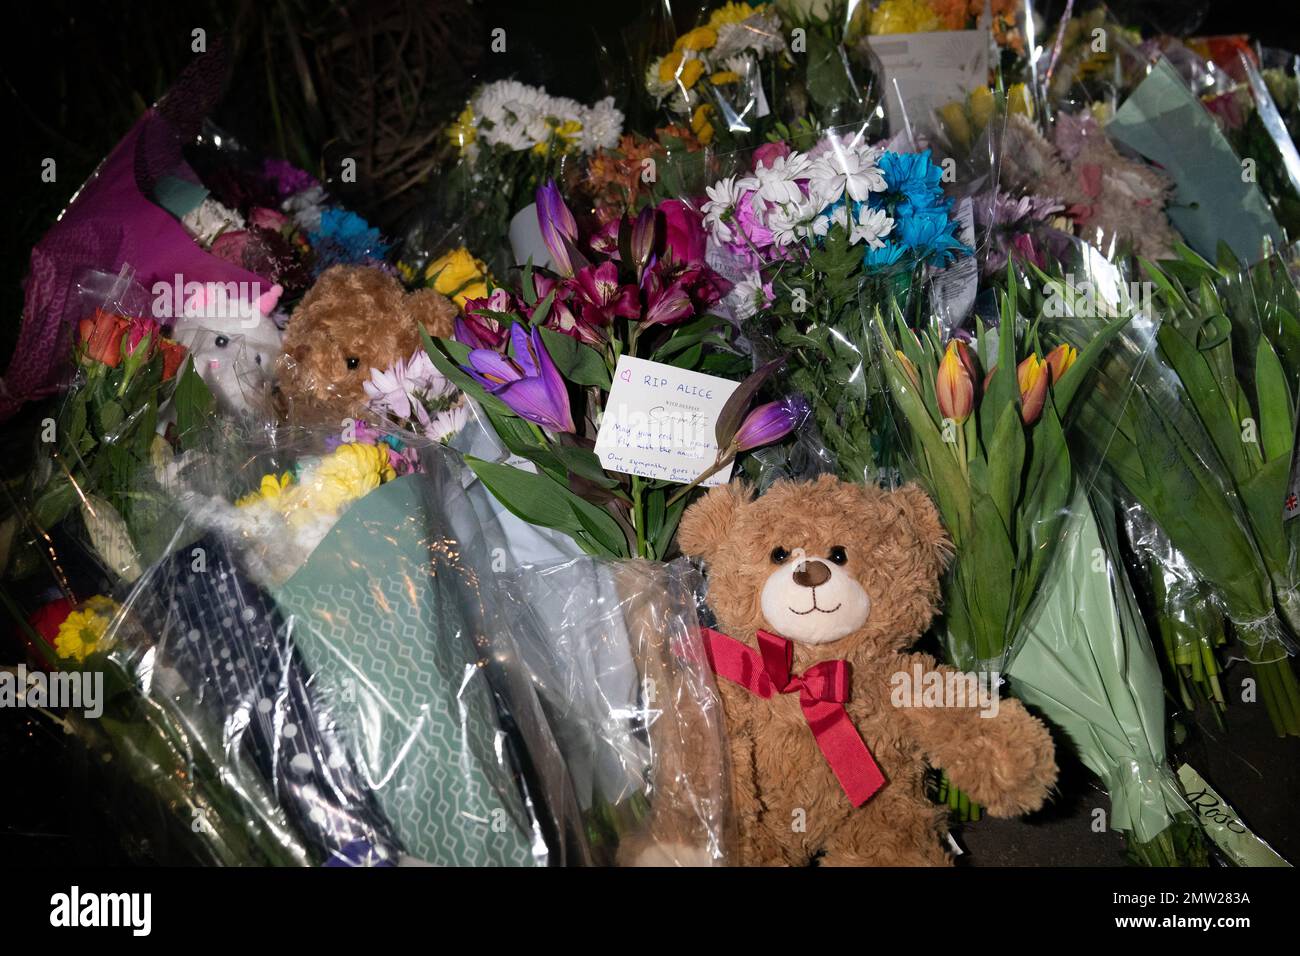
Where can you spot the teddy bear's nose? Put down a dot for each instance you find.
(811, 574)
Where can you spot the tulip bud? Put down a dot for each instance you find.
(953, 386)
(1032, 375)
(1060, 359)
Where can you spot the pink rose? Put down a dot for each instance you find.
(267, 218)
(769, 153)
(684, 238)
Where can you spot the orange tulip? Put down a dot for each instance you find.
(953, 386)
(1060, 359)
(1033, 375)
(908, 367)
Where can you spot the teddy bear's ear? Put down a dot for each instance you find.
(707, 523)
(923, 517)
(433, 310)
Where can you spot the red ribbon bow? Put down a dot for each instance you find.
(823, 691)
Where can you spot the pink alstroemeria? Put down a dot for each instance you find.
(665, 304)
(600, 297)
(479, 330)
(559, 228)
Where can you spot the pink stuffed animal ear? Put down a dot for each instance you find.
(707, 524)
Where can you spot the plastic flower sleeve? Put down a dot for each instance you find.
(1213, 476)
(619, 666)
(1087, 664)
(326, 650)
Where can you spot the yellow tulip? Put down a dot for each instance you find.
(981, 106)
(1060, 359)
(1032, 375)
(954, 120)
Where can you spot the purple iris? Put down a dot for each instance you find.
(771, 422)
(558, 226)
(527, 380)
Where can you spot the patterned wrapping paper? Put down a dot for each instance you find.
(381, 614)
(228, 642)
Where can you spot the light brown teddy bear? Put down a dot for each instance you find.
(353, 319)
(819, 589)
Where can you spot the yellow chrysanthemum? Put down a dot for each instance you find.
(676, 69)
(82, 632)
(462, 130)
(724, 77)
(700, 125)
(730, 13)
(459, 276)
(905, 16)
(270, 489)
(349, 472)
(701, 38)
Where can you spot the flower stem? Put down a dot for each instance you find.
(638, 515)
(722, 461)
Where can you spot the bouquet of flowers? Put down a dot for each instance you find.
(812, 238)
(540, 362)
(1206, 447)
(993, 456)
(510, 138)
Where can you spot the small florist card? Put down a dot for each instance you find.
(659, 422)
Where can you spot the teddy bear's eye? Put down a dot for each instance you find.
(353, 362)
(779, 555)
(838, 555)
(221, 341)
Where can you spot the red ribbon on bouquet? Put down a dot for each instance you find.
(823, 691)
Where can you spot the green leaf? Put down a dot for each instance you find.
(1006, 457)
(193, 403)
(577, 362)
(542, 311)
(1276, 414)
(734, 408)
(535, 498)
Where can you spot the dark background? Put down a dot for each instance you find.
(76, 75)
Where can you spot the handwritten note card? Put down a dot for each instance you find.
(659, 422)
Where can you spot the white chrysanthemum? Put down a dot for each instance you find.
(747, 297)
(760, 32)
(602, 125)
(840, 170)
(305, 208)
(654, 86)
(871, 227)
(822, 223)
(778, 182)
(792, 221)
(723, 197)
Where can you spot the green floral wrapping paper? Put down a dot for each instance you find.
(379, 614)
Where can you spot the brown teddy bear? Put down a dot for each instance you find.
(819, 589)
(353, 319)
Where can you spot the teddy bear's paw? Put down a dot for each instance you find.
(1019, 769)
(672, 854)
